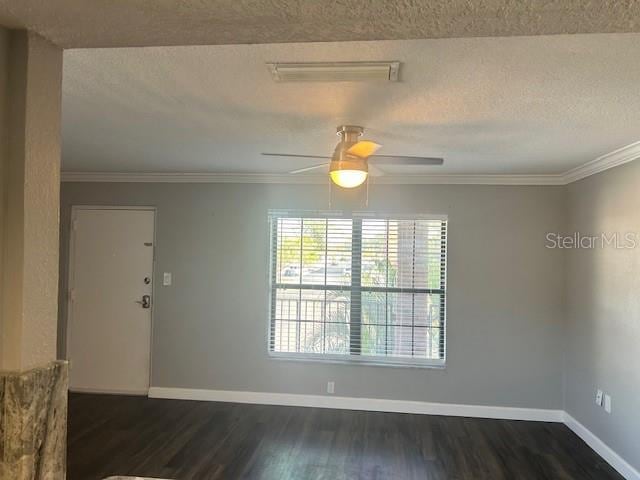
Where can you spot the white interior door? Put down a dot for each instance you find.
(109, 323)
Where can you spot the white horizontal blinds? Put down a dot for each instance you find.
(403, 287)
(359, 287)
(312, 279)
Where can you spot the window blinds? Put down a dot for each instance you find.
(360, 288)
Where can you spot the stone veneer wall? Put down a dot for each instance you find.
(33, 423)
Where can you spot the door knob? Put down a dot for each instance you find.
(145, 302)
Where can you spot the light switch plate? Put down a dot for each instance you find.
(166, 279)
(599, 398)
(331, 387)
(607, 403)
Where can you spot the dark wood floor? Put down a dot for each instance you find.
(116, 435)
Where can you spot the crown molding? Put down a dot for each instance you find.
(153, 177)
(612, 159)
(609, 160)
(453, 179)
(460, 179)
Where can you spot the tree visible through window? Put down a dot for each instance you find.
(362, 288)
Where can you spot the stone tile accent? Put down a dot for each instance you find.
(33, 423)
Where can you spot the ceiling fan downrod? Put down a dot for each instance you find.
(349, 133)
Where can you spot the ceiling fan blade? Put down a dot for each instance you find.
(293, 155)
(364, 148)
(307, 169)
(405, 160)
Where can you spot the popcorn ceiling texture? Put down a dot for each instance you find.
(518, 105)
(78, 23)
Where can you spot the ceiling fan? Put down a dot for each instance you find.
(353, 158)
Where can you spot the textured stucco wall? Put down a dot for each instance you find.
(4, 152)
(41, 207)
(31, 220)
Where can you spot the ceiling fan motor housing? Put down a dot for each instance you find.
(341, 160)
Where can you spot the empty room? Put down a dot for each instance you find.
(319, 240)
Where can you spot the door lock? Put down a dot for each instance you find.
(145, 302)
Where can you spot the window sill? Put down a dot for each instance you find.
(368, 362)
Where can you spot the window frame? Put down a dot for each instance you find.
(354, 358)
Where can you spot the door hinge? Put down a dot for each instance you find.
(74, 224)
(72, 294)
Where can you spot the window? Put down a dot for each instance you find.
(360, 288)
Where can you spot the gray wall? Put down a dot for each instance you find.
(505, 298)
(603, 310)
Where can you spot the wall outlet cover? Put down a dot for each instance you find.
(607, 403)
(599, 398)
(166, 279)
(331, 387)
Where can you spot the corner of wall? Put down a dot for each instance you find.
(4, 152)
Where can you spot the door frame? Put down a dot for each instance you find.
(70, 279)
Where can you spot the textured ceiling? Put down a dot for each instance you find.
(520, 105)
(111, 23)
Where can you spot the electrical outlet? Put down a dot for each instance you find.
(166, 279)
(599, 398)
(607, 403)
(331, 387)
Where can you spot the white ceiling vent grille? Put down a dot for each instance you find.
(335, 72)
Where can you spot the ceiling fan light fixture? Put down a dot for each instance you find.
(348, 178)
(348, 173)
(349, 165)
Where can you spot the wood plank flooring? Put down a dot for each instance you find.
(187, 440)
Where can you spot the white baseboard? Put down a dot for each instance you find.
(353, 403)
(602, 449)
(138, 393)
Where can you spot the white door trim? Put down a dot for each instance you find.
(70, 278)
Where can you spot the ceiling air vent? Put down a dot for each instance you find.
(335, 72)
